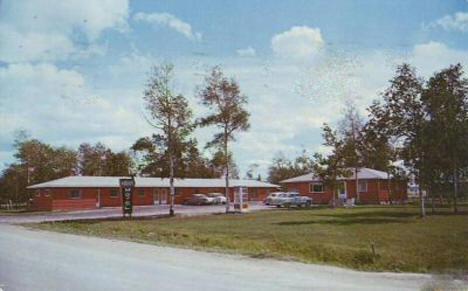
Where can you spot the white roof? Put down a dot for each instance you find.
(363, 173)
(100, 181)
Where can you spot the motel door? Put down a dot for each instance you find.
(160, 196)
(342, 191)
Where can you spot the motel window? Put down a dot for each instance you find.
(114, 193)
(75, 193)
(141, 192)
(38, 193)
(362, 186)
(316, 188)
(47, 193)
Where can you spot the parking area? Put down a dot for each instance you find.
(114, 212)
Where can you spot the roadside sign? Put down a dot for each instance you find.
(241, 199)
(127, 186)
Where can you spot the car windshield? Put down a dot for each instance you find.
(283, 195)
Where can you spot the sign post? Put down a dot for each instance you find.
(126, 186)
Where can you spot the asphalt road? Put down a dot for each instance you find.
(138, 211)
(40, 260)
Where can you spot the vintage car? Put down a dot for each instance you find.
(270, 197)
(288, 199)
(218, 198)
(199, 199)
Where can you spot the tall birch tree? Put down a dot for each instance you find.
(226, 103)
(169, 114)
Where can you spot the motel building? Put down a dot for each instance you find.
(375, 187)
(90, 192)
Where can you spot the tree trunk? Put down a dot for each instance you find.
(171, 184)
(390, 197)
(358, 200)
(422, 213)
(228, 202)
(171, 168)
(432, 200)
(333, 197)
(455, 190)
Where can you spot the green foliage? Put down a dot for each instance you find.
(282, 168)
(99, 160)
(151, 156)
(223, 98)
(39, 162)
(428, 122)
(329, 169)
(226, 104)
(36, 162)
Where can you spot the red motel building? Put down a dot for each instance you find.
(90, 192)
(375, 187)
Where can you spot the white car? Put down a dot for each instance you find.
(271, 196)
(218, 198)
(289, 199)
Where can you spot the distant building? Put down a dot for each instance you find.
(374, 187)
(88, 192)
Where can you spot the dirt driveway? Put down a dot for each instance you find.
(139, 211)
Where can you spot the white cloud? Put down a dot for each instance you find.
(170, 21)
(57, 106)
(54, 29)
(432, 56)
(247, 52)
(31, 46)
(298, 42)
(457, 21)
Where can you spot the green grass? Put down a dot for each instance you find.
(343, 237)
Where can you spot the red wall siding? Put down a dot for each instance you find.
(60, 198)
(41, 201)
(106, 200)
(303, 189)
(376, 191)
(73, 204)
(145, 199)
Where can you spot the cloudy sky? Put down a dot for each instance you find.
(73, 71)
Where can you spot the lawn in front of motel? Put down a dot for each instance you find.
(377, 238)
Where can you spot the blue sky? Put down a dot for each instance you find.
(73, 71)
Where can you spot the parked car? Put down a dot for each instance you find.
(270, 197)
(289, 199)
(218, 198)
(199, 199)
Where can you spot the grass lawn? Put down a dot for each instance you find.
(343, 237)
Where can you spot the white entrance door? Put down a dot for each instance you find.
(342, 190)
(160, 196)
(163, 196)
